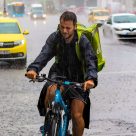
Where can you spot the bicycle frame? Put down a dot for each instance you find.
(57, 105)
(58, 100)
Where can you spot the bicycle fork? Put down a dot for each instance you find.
(59, 104)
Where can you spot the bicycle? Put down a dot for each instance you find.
(57, 115)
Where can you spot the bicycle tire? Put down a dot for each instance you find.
(54, 127)
(47, 123)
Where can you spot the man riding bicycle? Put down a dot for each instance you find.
(61, 45)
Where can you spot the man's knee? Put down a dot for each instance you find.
(77, 108)
(76, 116)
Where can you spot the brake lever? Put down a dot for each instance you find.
(43, 75)
(32, 80)
(41, 79)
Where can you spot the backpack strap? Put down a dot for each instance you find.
(78, 52)
(77, 45)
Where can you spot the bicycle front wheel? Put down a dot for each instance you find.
(55, 127)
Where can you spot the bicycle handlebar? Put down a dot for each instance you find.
(43, 77)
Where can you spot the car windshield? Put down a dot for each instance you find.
(37, 10)
(18, 9)
(125, 19)
(9, 28)
(101, 13)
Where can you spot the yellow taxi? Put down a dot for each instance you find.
(1, 14)
(13, 46)
(98, 15)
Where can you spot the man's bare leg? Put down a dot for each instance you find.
(49, 95)
(77, 107)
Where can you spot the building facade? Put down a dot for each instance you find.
(123, 5)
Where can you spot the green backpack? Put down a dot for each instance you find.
(92, 33)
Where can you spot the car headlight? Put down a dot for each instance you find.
(44, 15)
(118, 29)
(35, 16)
(1, 44)
(20, 42)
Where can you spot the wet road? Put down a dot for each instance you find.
(113, 109)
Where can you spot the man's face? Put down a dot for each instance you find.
(67, 28)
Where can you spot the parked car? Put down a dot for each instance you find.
(120, 26)
(98, 15)
(12, 41)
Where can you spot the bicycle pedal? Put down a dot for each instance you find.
(42, 129)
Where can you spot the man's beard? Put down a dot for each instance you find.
(67, 38)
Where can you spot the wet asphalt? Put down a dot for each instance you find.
(113, 101)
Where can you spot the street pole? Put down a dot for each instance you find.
(4, 9)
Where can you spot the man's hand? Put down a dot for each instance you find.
(31, 74)
(88, 84)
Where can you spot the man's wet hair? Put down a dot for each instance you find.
(69, 16)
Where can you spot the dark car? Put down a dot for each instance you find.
(37, 12)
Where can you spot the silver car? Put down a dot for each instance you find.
(120, 26)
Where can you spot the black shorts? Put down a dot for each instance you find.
(71, 92)
(75, 93)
